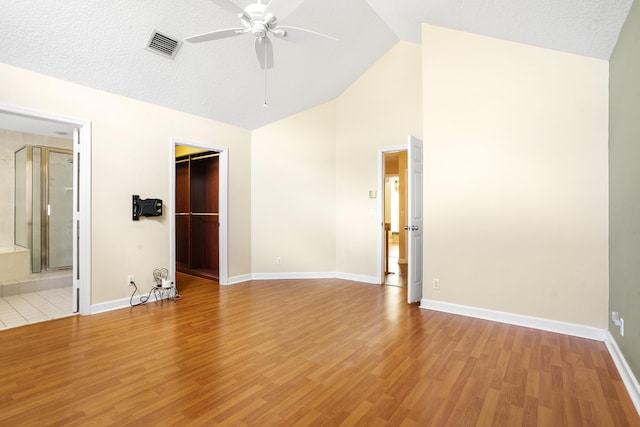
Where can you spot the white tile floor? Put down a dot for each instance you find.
(33, 307)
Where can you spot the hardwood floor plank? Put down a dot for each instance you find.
(530, 414)
(489, 408)
(302, 352)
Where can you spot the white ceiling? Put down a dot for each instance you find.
(101, 44)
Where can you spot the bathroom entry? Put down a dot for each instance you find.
(64, 279)
(37, 172)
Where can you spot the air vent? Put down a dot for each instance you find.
(163, 45)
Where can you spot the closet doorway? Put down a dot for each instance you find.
(198, 214)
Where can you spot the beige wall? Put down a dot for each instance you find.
(293, 194)
(132, 155)
(379, 110)
(312, 172)
(515, 177)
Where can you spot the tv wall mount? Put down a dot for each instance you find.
(146, 207)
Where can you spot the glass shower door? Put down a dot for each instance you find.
(60, 210)
(21, 218)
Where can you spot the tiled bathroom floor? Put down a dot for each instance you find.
(33, 307)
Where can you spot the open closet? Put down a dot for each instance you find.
(197, 214)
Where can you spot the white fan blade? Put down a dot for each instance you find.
(283, 8)
(306, 37)
(264, 52)
(216, 35)
(232, 7)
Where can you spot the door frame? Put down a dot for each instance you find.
(222, 200)
(381, 233)
(81, 199)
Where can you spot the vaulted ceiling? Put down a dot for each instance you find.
(101, 44)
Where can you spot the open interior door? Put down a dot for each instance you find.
(76, 222)
(414, 219)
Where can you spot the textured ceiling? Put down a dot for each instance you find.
(101, 44)
(584, 27)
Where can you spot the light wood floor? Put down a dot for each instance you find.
(396, 274)
(292, 352)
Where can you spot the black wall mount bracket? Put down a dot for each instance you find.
(146, 207)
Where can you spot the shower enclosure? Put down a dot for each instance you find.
(44, 206)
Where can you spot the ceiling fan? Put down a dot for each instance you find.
(257, 19)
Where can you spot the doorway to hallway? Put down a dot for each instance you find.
(409, 169)
(394, 217)
(396, 274)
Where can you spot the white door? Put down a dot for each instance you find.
(76, 222)
(414, 220)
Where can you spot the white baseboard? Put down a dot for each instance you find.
(357, 278)
(517, 319)
(628, 378)
(284, 276)
(238, 279)
(113, 305)
(316, 275)
(119, 303)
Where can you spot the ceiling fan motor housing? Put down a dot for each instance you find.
(260, 23)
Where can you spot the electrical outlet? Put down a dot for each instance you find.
(618, 321)
(436, 283)
(130, 280)
(278, 260)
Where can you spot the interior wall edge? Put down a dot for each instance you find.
(628, 378)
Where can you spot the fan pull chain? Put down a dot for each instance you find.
(265, 79)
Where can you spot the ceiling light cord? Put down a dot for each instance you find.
(265, 78)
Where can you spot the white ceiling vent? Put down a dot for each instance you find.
(163, 45)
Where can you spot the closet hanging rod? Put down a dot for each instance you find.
(204, 156)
